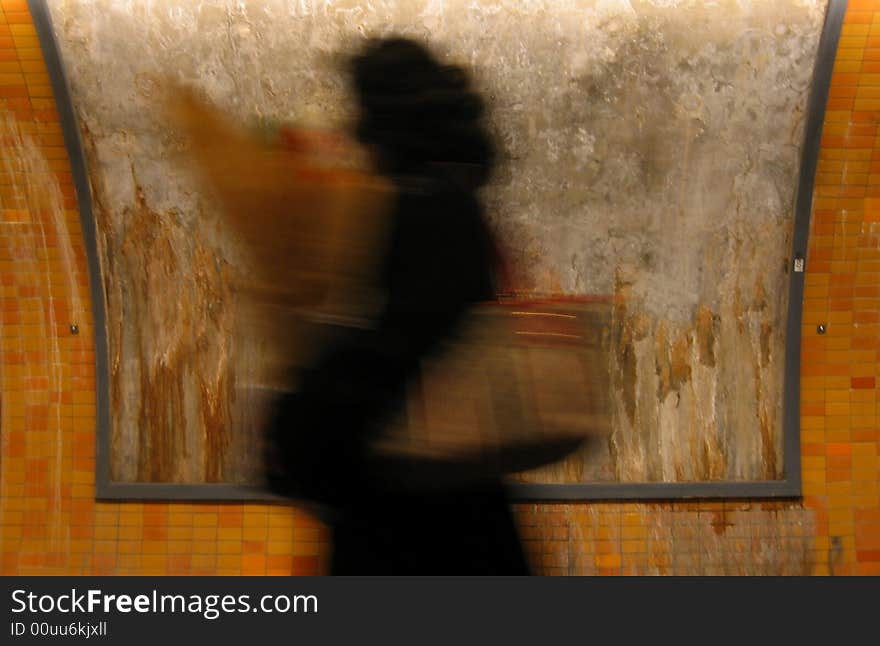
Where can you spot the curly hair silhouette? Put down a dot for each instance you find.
(418, 113)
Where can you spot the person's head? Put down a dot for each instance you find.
(416, 112)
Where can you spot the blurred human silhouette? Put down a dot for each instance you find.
(398, 388)
(422, 122)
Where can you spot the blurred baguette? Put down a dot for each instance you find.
(308, 214)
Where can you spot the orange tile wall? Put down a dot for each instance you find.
(51, 524)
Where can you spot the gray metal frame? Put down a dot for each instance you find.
(788, 487)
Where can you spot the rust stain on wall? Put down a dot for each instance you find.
(729, 539)
(706, 330)
(170, 306)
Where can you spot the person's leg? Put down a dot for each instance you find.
(441, 533)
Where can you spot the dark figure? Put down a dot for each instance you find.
(422, 121)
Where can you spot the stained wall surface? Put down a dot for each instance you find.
(51, 523)
(649, 152)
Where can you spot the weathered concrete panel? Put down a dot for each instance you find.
(649, 151)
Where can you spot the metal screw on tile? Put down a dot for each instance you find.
(820, 329)
(74, 328)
